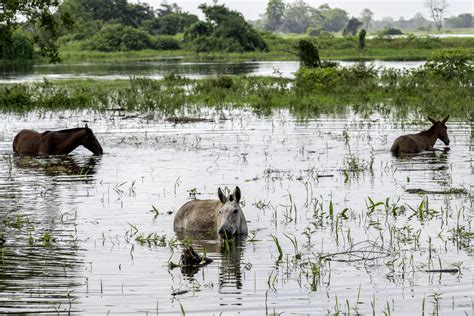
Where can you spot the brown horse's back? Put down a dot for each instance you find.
(410, 144)
(27, 142)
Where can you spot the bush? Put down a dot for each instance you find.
(18, 47)
(165, 43)
(390, 31)
(450, 65)
(116, 37)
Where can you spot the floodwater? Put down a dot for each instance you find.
(79, 235)
(157, 70)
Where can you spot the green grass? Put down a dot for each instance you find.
(337, 48)
(313, 93)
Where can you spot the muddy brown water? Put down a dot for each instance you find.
(72, 225)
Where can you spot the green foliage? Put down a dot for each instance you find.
(298, 17)
(37, 13)
(314, 91)
(20, 47)
(274, 14)
(362, 34)
(390, 31)
(117, 37)
(223, 30)
(450, 65)
(170, 24)
(117, 11)
(352, 26)
(308, 54)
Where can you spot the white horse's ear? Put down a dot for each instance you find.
(222, 196)
(445, 120)
(236, 194)
(432, 120)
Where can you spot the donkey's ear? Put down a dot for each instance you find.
(432, 120)
(236, 194)
(222, 196)
(445, 120)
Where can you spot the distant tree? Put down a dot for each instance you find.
(366, 17)
(298, 17)
(274, 14)
(437, 10)
(352, 26)
(463, 20)
(332, 20)
(40, 13)
(362, 34)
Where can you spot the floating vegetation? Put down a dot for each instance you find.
(448, 191)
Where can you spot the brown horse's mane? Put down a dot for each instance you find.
(71, 130)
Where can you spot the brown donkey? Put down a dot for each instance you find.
(425, 140)
(31, 143)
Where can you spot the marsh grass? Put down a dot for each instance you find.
(313, 92)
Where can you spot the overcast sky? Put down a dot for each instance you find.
(252, 9)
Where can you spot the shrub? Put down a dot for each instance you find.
(116, 37)
(18, 47)
(390, 31)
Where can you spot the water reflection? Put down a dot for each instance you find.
(157, 70)
(59, 166)
(227, 253)
(41, 257)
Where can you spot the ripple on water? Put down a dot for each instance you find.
(71, 223)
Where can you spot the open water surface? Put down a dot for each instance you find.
(158, 69)
(79, 236)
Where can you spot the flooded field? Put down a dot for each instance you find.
(336, 223)
(157, 70)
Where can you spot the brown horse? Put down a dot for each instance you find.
(425, 140)
(31, 143)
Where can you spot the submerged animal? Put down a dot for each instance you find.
(223, 216)
(31, 143)
(425, 140)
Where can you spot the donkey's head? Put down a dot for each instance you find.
(231, 218)
(91, 142)
(440, 129)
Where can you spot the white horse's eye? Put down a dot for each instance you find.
(236, 211)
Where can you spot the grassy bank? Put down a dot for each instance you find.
(436, 89)
(338, 48)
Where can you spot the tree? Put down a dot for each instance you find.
(274, 14)
(437, 10)
(298, 17)
(14, 14)
(366, 17)
(332, 20)
(352, 26)
(223, 30)
(362, 34)
(308, 54)
(463, 20)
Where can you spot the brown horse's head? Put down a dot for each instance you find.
(440, 129)
(91, 143)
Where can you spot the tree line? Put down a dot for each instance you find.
(300, 17)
